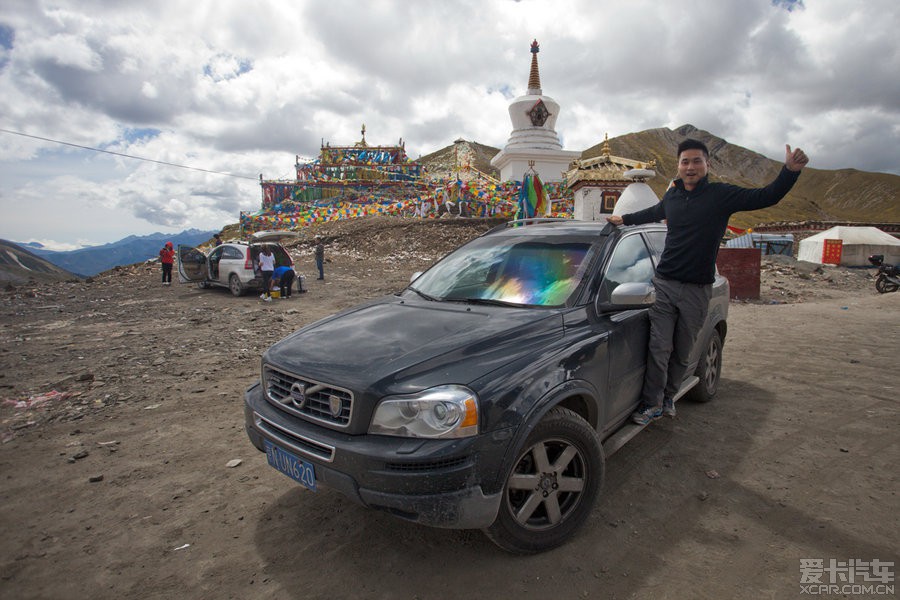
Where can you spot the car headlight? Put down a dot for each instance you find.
(447, 411)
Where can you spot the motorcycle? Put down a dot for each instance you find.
(888, 277)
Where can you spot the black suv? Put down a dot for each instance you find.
(488, 392)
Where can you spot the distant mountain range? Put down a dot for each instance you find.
(132, 249)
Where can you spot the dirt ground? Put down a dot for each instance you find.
(122, 411)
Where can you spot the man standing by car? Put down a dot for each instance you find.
(320, 257)
(696, 212)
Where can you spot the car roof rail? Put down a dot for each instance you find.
(535, 221)
(525, 222)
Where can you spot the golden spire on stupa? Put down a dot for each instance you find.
(534, 77)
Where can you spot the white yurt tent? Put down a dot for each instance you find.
(857, 244)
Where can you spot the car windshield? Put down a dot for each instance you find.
(524, 271)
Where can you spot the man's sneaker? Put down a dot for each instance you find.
(668, 408)
(262, 296)
(267, 299)
(643, 416)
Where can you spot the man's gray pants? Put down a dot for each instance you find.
(676, 319)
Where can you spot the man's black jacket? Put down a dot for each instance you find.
(697, 219)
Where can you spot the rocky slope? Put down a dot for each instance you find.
(18, 266)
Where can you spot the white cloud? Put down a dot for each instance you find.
(220, 87)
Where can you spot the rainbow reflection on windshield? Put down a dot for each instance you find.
(539, 274)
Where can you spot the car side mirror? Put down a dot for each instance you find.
(630, 295)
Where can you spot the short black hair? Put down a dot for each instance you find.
(692, 144)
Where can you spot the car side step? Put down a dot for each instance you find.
(621, 437)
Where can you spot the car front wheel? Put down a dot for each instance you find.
(708, 370)
(551, 489)
(235, 285)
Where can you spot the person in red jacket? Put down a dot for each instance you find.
(167, 259)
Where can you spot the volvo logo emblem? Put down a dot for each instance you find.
(334, 402)
(298, 394)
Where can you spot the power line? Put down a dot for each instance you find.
(159, 162)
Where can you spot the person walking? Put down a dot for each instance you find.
(320, 258)
(167, 259)
(267, 267)
(283, 277)
(696, 213)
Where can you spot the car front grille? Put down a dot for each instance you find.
(308, 399)
(438, 465)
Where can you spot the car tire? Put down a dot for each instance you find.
(709, 370)
(203, 285)
(235, 285)
(536, 513)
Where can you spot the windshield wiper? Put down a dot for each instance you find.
(489, 301)
(424, 295)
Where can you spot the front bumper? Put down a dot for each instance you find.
(440, 483)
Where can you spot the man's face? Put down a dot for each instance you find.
(692, 167)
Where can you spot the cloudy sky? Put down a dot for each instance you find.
(242, 87)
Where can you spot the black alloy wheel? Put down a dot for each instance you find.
(709, 369)
(552, 486)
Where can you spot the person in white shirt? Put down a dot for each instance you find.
(267, 266)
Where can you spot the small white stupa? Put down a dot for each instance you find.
(533, 137)
(638, 195)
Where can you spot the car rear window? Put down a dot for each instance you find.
(282, 258)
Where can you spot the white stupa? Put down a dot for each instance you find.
(533, 139)
(638, 195)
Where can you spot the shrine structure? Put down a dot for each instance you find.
(607, 184)
(346, 171)
(533, 143)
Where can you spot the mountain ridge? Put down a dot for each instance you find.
(19, 265)
(131, 249)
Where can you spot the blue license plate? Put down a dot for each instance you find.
(298, 470)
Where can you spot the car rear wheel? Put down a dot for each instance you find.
(235, 285)
(708, 370)
(552, 486)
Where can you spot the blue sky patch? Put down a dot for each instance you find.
(789, 5)
(7, 35)
(139, 133)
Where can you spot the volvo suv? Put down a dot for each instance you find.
(486, 394)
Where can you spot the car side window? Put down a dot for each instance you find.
(657, 240)
(630, 263)
(230, 253)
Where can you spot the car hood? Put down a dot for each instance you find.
(394, 345)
